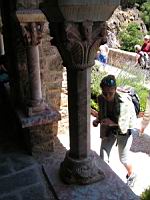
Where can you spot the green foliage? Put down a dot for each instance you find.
(96, 77)
(145, 13)
(135, 79)
(130, 36)
(132, 3)
(94, 104)
(146, 194)
(140, 1)
(136, 82)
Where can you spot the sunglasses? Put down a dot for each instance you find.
(109, 82)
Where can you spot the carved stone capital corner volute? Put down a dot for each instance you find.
(32, 24)
(32, 33)
(82, 172)
(83, 40)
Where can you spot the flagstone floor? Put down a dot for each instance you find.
(140, 153)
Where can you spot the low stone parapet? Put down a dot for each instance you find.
(120, 58)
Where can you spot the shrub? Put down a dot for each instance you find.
(130, 36)
(145, 14)
(146, 194)
(96, 77)
(131, 3)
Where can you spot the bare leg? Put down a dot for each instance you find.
(129, 168)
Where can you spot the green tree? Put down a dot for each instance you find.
(145, 13)
(130, 36)
(131, 3)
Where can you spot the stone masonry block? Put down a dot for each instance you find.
(5, 170)
(35, 192)
(10, 197)
(18, 181)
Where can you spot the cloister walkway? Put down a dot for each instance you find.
(140, 150)
(22, 177)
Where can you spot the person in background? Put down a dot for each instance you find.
(146, 46)
(102, 53)
(117, 118)
(142, 57)
(146, 117)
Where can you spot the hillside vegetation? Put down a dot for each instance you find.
(128, 24)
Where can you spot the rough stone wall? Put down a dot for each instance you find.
(51, 70)
(51, 77)
(41, 139)
(54, 82)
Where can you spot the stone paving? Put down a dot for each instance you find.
(140, 154)
(110, 188)
(21, 178)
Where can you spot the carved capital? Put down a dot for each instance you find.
(81, 172)
(32, 33)
(83, 40)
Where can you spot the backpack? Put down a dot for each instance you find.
(134, 97)
(144, 60)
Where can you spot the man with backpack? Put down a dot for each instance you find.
(117, 119)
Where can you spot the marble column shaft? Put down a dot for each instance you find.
(79, 112)
(2, 52)
(34, 74)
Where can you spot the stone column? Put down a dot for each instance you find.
(32, 35)
(34, 74)
(39, 121)
(32, 26)
(83, 39)
(77, 28)
(2, 52)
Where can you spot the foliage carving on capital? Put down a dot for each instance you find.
(83, 40)
(32, 33)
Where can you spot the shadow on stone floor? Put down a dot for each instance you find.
(11, 141)
(11, 137)
(141, 143)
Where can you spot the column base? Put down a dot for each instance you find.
(36, 109)
(82, 172)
